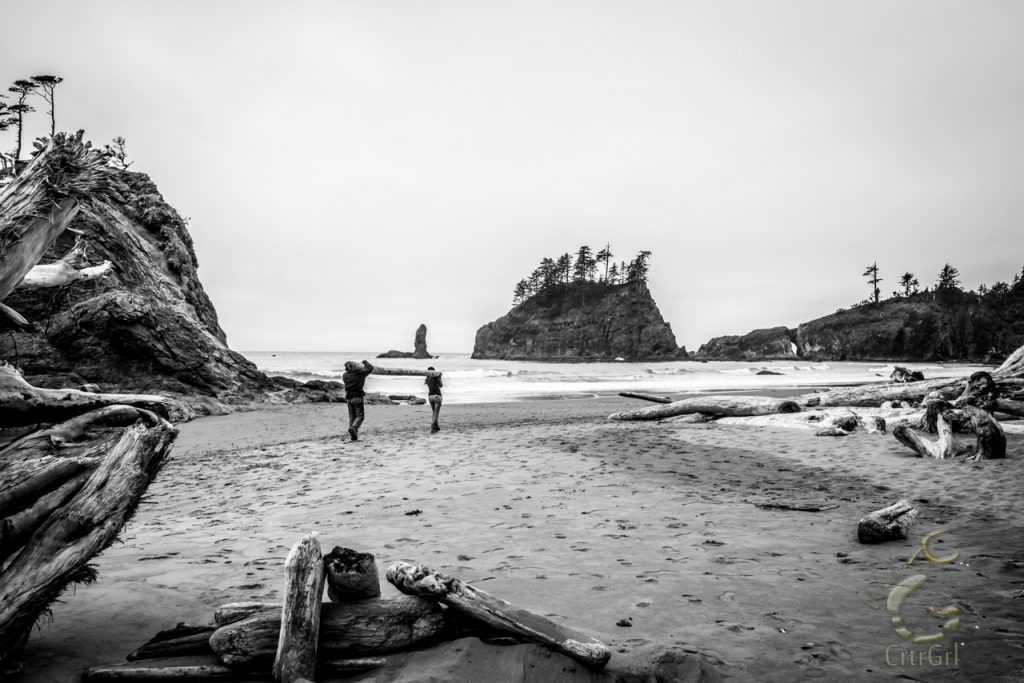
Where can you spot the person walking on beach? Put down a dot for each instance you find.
(354, 378)
(433, 383)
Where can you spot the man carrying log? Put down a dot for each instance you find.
(354, 378)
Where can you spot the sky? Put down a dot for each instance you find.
(351, 169)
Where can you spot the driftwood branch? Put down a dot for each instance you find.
(378, 370)
(494, 612)
(718, 405)
(645, 397)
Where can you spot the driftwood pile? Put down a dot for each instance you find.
(73, 464)
(944, 408)
(305, 638)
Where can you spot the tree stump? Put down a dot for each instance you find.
(351, 575)
(888, 524)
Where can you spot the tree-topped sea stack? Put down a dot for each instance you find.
(578, 311)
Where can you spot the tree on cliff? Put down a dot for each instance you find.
(585, 265)
(637, 269)
(872, 271)
(605, 256)
(949, 278)
(909, 284)
(22, 89)
(563, 268)
(47, 84)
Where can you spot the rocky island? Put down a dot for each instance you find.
(944, 324)
(571, 309)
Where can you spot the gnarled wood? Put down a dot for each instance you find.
(889, 523)
(718, 405)
(946, 446)
(991, 443)
(494, 612)
(80, 529)
(72, 267)
(300, 616)
(349, 629)
(21, 403)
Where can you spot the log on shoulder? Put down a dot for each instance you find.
(351, 575)
(300, 615)
(491, 611)
(889, 523)
(722, 405)
(379, 370)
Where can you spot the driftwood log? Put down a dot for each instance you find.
(78, 527)
(718, 405)
(72, 267)
(351, 575)
(179, 641)
(378, 370)
(943, 419)
(354, 629)
(300, 615)
(888, 524)
(645, 397)
(174, 670)
(491, 611)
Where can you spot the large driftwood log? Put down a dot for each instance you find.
(351, 575)
(946, 446)
(176, 642)
(300, 615)
(72, 267)
(23, 404)
(888, 524)
(352, 629)
(175, 670)
(494, 612)
(61, 547)
(718, 405)
(991, 443)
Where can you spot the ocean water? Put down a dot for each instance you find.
(480, 381)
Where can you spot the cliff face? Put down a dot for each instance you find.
(145, 327)
(934, 326)
(581, 321)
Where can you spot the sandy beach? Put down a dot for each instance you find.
(645, 535)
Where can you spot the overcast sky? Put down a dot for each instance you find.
(353, 169)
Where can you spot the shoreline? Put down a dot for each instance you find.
(591, 522)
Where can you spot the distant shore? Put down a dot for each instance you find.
(594, 523)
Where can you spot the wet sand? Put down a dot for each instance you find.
(593, 523)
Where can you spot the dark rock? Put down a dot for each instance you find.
(773, 342)
(769, 372)
(581, 321)
(419, 344)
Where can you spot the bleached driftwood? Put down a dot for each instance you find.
(889, 523)
(23, 404)
(718, 405)
(491, 611)
(69, 268)
(379, 370)
(350, 629)
(300, 615)
(175, 670)
(944, 447)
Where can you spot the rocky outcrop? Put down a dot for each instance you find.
(770, 343)
(419, 344)
(946, 325)
(581, 321)
(145, 327)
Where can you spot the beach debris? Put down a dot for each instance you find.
(990, 442)
(901, 374)
(492, 611)
(717, 405)
(796, 507)
(888, 524)
(351, 575)
(645, 397)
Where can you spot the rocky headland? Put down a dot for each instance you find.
(942, 325)
(581, 321)
(147, 325)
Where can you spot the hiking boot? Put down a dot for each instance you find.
(352, 433)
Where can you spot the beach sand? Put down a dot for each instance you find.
(594, 523)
